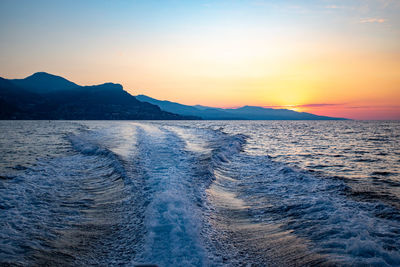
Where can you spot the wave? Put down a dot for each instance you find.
(173, 214)
(259, 211)
(176, 195)
(312, 217)
(71, 210)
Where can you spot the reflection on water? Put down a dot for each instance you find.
(365, 154)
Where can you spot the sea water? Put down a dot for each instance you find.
(199, 193)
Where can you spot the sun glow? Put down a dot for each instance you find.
(222, 54)
(294, 108)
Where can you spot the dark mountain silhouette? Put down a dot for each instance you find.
(14, 99)
(243, 113)
(260, 113)
(46, 96)
(42, 82)
(201, 111)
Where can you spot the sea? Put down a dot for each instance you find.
(200, 193)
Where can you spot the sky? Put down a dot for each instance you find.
(337, 58)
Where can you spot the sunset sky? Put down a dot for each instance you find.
(336, 58)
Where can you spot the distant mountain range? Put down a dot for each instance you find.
(46, 96)
(242, 113)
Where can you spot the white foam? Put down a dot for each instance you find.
(172, 219)
(195, 139)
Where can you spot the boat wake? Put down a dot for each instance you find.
(177, 195)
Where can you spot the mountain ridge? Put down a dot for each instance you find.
(46, 96)
(41, 82)
(242, 113)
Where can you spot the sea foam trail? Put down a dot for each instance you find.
(265, 212)
(232, 237)
(172, 219)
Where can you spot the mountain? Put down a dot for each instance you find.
(14, 99)
(242, 113)
(200, 111)
(260, 113)
(46, 96)
(42, 82)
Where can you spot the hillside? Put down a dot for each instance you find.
(46, 96)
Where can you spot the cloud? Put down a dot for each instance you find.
(318, 105)
(314, 105)
(346, 106)
(343, 107)
(333, 7)
(373, 20)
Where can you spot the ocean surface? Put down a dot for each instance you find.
(200, 193)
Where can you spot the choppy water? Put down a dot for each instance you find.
(200, 193)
